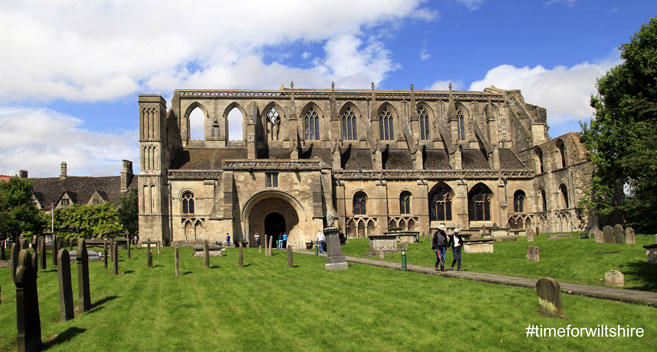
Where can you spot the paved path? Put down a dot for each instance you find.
(608, 293)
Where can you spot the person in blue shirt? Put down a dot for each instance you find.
(227, 240)
(284, 240)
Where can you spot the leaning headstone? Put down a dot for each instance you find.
(334, 258)
(105, 253)
(619, 234)
(614, 278)
(206, 255)
(608, 234)
(629, 235)
(177, 261)
(65, 289)
(27, 305)
(599, 236)
(549, 298)
(82, 258)
(115, 258)
(55, 250)
(42, 251)
(158, 246)
(14, 259)
(530, 235)
(290, 257)
(241, 259)
(533, 254)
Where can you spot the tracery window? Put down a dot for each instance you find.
(405, 202)
(479, 204)
(311, 124)
(440, 205)
(460, 124)
(519, 202)
(349, 131)
(386, 129)
(360, 203)
(188, 203)
(424, 123)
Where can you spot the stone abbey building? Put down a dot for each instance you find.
(377, 159)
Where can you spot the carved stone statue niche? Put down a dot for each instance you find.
(273, 124)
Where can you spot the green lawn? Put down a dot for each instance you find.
(571, 260)
(267, 306)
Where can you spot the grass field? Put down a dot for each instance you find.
(571, 260)
(267, 306)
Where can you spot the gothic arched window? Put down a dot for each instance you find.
(349, 131)
(188, 203)
(405, 202)
(424, 122)
(440, 205)
(539, 160)
(564, 195)
(360, 203)
(519, 202)
(479, 203)
(386, 129)
(544, 200)
(562, 152)
(311, 124)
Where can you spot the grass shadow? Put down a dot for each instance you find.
(157, 266)
(63, 337)
(214, 267)
(646, 275)
(128, 272)
(104, 300)
(186, 273)
(245, 265)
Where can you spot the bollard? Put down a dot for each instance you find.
(403, 259)
(316, 248)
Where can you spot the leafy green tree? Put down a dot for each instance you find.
(89, 221)
(129, 212)
(18, 213)
(622, 137)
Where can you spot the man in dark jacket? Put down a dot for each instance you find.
(456, 243)
(439, 245)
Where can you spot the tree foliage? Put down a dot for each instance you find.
(622, 137)
(89, 221)
(18, 213)
(129, 212)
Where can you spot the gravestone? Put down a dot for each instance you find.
(599, 236)
(15, 250)
(619, 234)
(35, 259)
(27, 304)
(651, 253)
(241, 259)
(269, 248)
(177, 261)
(206, 255)
(549, 298)
(629, 235)
(105, 253)
(158, 246)
(70, 244)
(334, 258)
(608, 234)
(42, 251)
(614, 278)
(65, 289)
(290, 257)
(55, 250)
(592, 231)
(533, 254)
(115, 258)
(530, 235)
(84, 295)
(22, 244)
(150, 254)
(128, 244)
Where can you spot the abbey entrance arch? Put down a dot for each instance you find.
(272, 213)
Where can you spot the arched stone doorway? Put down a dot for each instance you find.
(275, 226)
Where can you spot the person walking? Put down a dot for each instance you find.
(284, 240)
(257, 239)
(456, 243)
(227, 240)
(439, 245)
(321, 242)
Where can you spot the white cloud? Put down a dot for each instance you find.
(38, 140)
(564, 91)
(104, 50)
(567, 3)
(424, 55)
(444, 85)
(306, 55)
(471, 4)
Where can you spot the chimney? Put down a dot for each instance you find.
(22, 173)
(126, 175)
(62, 175)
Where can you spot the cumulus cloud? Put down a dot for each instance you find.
(103, 50)
(564, 91)
(444, 85)
(38, 140)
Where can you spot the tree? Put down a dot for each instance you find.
(129, 212)
(622, 134)
(18, 213)
(89, 220)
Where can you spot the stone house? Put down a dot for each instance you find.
(377, 159)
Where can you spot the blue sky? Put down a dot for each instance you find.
(70, 82)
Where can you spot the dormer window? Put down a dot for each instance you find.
(65, 202)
